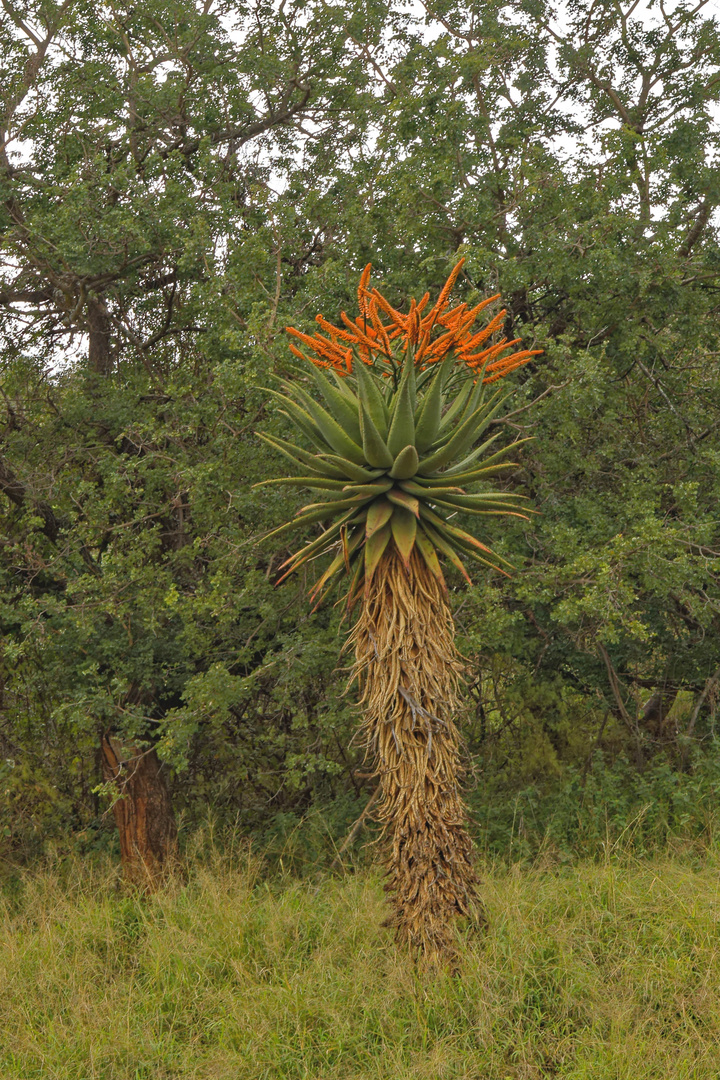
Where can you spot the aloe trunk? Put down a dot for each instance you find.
(408, 669)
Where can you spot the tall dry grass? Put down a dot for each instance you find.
(606, 970)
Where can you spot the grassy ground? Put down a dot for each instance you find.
(604, 970)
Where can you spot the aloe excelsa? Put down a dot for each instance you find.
(395, 438)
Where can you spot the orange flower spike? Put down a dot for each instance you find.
(442, 299)
(362, 339)
(452, 318)
(318, 344)
(423, 302)
(509, 363)
(348, 361)
(333, 343)
(413, 325)
(380, 330)
(491, 362)
(462, 325)
(327, 349)
(424, 340)
(397, 318)
(489, 354)
(299, 334)
(437, 310)
(467, 319)
(334, 331)
(365, 309)
(484, 303)
(442, 344)
(416, 326)
(482, 335)
(363, 289)
(500, 374)
(362, 325)
(476, 310)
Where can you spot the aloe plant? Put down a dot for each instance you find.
(400, 441)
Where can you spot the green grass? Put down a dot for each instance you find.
(599, 970)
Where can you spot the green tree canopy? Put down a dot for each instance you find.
(179, 181)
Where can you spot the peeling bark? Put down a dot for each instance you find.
(143, 813)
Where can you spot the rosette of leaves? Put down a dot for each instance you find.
(394, 438)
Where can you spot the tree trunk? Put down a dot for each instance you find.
(655, 712)
(100, 358)
(143, 813)
(408, 669)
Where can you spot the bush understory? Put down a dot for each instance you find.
(603, 968)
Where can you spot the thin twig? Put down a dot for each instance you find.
(700, 702)
(356, 828)
(524, 408)
(615, 687)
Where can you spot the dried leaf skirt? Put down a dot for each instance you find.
(408, 670)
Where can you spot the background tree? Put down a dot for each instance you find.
(169, 195)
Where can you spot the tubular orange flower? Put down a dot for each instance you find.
(362, 289)
(438, 333)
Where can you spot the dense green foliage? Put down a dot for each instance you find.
(176, 183)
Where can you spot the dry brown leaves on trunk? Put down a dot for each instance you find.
(408, 670)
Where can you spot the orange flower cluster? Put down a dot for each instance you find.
(432, 335)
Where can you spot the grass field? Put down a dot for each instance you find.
(605, 970)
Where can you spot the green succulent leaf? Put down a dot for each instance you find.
(475, 399)
(456, 408)
(463, 438)
(430, 516)
(344, 410)
(336, 506)
(344, 386)
(404, 529)
(467, 538)
(319, 482)
(471, 552)
(374, 447)
(444, 545)
(374, 551)
(402, 427)
(296, 523)
(401, 498)
(479, 504)
(356, 581)
(405, 464)
(304, 424)
(465, 435)
(449, 483)
(379, 513)
(429, 554)
(430, 412)
(423, 492)
(328, 427)
(351, 470)
(339, 563)
(325, 542)
(368, 490)
(463, 466)
(371, 397)
(470, 459)
(301, 458)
